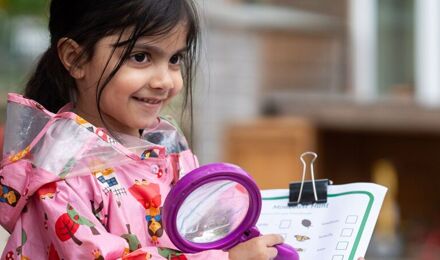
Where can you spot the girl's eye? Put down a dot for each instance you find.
(176, 59)
(140, 57)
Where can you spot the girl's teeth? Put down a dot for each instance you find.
(149, 101)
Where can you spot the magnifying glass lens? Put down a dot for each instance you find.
(212, 211)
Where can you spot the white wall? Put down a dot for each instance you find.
(227, 88)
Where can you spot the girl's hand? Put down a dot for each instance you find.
(257, 248)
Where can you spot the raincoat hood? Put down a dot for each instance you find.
(41, 148)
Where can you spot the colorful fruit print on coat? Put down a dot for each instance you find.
(52, 254)
(148, 194)
(19, 250)
(8, 195)
(132, 240)
(171, 254)
(67, 225)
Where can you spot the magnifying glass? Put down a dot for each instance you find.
(215, 206)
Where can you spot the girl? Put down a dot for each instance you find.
(87, 162)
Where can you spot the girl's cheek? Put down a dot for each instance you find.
(179, 84)
(176, 91)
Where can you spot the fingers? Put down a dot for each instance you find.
(272, 252)
(273, 239)
(260, 247)
(270, 241)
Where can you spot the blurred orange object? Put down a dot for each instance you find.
(270, 148)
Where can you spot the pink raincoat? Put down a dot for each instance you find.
(70, 191)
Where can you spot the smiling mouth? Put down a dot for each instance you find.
(151, 101)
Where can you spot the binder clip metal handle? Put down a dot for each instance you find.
(308, 192)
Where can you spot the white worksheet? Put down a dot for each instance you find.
(340, 229)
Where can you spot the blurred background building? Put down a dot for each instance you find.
(357, 81)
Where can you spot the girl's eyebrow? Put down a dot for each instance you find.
(156, 49)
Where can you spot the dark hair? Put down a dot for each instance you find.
(87, 21)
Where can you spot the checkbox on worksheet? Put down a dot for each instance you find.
(347, 232)
(352, 219)
(285, 224)
(342, 245)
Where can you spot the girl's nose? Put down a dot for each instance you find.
(162, 79)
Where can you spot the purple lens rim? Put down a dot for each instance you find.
(193, 180)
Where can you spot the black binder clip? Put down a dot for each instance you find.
(308, 192)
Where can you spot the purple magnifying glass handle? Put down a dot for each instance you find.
(285, 251)
(217, 175)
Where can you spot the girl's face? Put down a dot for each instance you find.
(144, 84)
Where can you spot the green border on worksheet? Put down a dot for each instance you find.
(364, 219)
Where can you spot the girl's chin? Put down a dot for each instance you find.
(150, 123)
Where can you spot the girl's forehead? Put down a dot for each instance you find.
(177, 32)
(175, 39)
(179, 28)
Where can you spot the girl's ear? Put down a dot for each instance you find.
(69, 53)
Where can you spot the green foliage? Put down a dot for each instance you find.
(37, 7)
